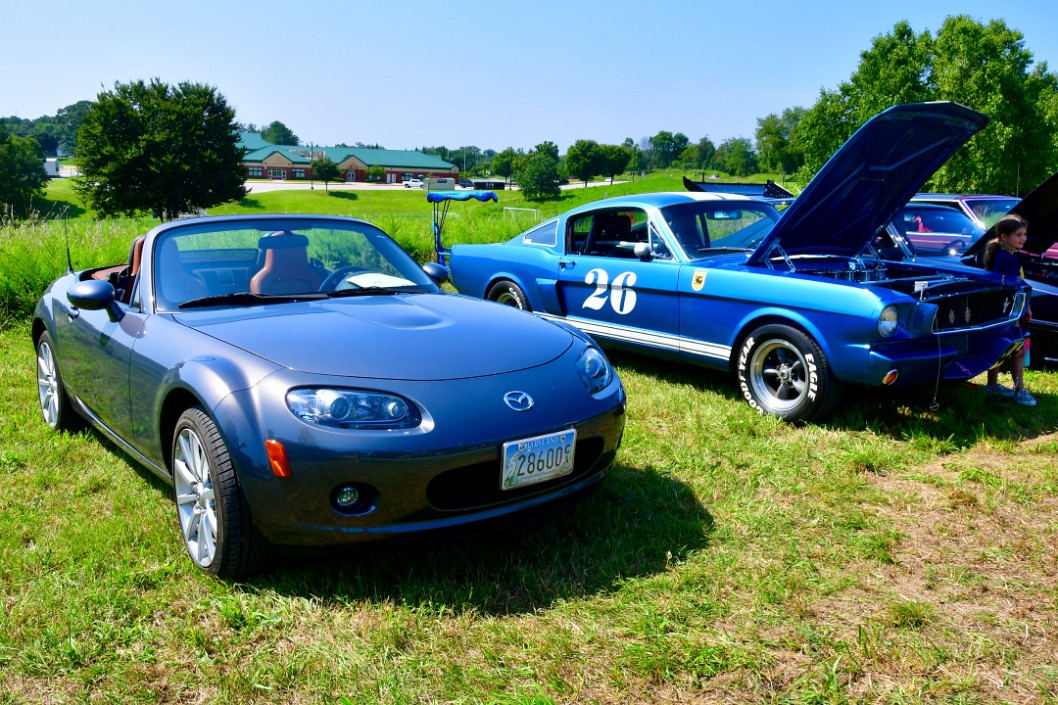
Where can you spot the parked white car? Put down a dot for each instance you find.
(412, 183)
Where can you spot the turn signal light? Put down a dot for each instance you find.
(890, 377)
(277, 458)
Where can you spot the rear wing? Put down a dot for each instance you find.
(441, 200)
(770, 189)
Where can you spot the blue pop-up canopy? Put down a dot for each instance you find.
(441, 200)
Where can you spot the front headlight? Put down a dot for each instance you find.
(594, 369)
(352, 408)
(888, 320)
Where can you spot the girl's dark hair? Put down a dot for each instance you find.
(1004, 226)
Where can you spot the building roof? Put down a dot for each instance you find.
(258, 149)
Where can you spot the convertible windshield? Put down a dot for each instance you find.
(272, 260)
(705, 228)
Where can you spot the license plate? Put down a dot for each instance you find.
(537, 459)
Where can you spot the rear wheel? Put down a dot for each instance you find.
(215, 520)
(782, 371)
(55, 404)
(509, 294)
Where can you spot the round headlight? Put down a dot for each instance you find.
(888, 320)
(594, 369)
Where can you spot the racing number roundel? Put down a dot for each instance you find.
(620, 294)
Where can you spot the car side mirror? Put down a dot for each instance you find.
(438, 272)
(94, 295)
(642, 251)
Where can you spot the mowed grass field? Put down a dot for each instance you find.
(902, 552)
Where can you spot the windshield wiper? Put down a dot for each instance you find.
(245, 298)
(362, 291)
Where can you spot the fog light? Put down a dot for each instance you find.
(354, 499)
(346, 496)
(890, 377)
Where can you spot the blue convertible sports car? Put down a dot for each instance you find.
(796, 307)
(300, 380)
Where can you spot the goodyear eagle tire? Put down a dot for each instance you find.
(509, 294)
(782, 371)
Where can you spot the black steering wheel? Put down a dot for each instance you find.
(335, 278)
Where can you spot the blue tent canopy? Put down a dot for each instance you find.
(438, 196)
(440, 212)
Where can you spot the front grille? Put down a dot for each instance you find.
(973, 310)
(478, 485)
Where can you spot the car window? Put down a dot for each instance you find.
(278, 257)
(706, 227)
(545, 235)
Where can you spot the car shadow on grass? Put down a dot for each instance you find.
(956, 414)
(638, 523)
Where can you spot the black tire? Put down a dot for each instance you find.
(782, 371)
(509, 294)
(214, 518)
(55, 404)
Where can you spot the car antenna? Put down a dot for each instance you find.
(66, 234)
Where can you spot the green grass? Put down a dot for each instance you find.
(897, 554)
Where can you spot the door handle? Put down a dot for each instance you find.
(567, 263)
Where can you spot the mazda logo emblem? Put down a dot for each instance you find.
(519, 401)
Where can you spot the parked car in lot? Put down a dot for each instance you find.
(412, 183)
(937, 230)
(983, 209)
(466, 183)
(796, 307)
(301, 380)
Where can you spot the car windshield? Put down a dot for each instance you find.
(268, 260)
(705, 228)
(937, 230)
(990, 209)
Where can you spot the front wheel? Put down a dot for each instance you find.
(54, 402)
(782, 371)
(509, 294)
(215, 520)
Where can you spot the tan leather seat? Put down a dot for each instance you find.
(286, 268)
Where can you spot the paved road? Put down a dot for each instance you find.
(266, 186)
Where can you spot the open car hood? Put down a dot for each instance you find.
(861, 188)
(1040, 209)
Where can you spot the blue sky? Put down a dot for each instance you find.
(465, 72)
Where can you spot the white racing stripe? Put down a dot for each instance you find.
(661, 341)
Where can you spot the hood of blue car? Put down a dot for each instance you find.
(1040, 209)
(421, 337)
(861, 188)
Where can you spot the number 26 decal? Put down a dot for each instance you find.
(621, 294)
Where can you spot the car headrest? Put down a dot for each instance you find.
(282, 241)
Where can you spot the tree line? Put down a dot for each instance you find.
(149, 133)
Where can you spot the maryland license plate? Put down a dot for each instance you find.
(533, 460)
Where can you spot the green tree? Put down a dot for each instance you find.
(706, 151)
(736, 157)
(668, 147)
(324, 169)
(22, 176)
(984, 66)
(503, 163)
(584, 160)
(376, 173)
(149, 146)
(538, 176)
(278, 133)
(777, 145)
(614, 159)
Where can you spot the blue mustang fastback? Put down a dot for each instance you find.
(796, 307)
